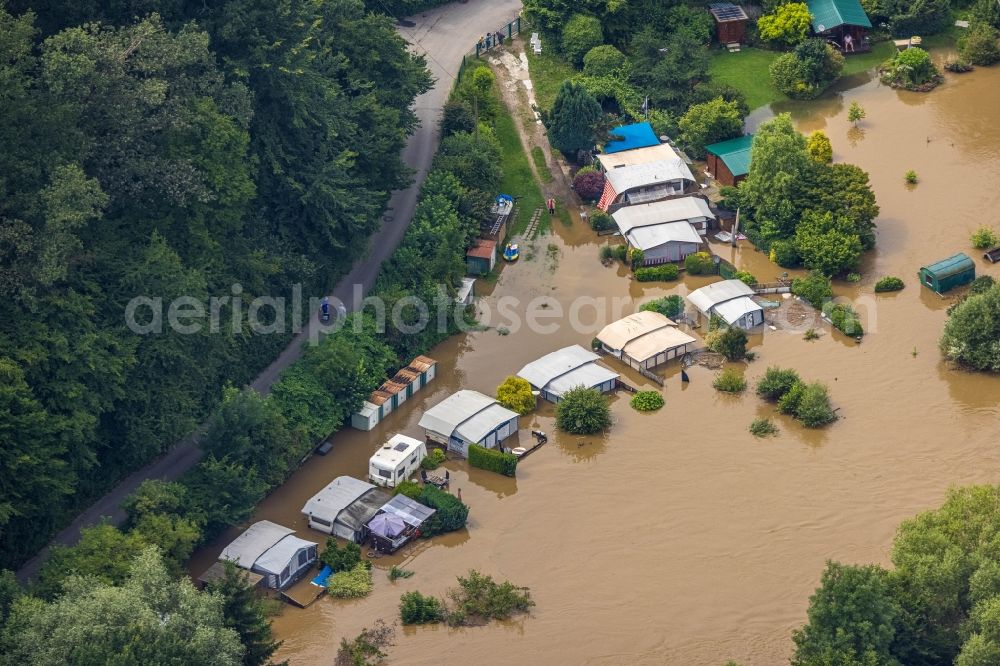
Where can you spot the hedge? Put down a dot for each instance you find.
(451, 512)
(493, 460)
(655, 273)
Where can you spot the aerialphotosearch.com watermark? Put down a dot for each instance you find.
(269, 315)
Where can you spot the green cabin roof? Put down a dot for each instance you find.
(735, 154)
(829, 14)
(957, 263)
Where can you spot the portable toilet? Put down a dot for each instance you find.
(949, 273)
(396, 460)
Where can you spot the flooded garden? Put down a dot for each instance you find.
(678, 537)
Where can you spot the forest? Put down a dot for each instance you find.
(168, 148)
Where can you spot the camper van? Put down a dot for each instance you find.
(396, 460)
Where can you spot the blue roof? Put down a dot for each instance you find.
(639, 135)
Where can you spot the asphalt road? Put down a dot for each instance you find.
(444, 35)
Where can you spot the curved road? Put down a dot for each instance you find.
(444, 35)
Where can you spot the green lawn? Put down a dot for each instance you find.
(747, 71)
(548, 71)
(518, 179)
(859, 63)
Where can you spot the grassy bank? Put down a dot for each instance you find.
(548, 71)
(518, 179)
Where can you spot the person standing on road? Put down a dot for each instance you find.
(551, 204)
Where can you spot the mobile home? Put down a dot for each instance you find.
(343, 508)
(396, 460)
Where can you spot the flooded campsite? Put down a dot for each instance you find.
(677, 537)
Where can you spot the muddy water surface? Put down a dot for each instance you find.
(677, 538)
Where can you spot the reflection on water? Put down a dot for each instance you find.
(678, 537)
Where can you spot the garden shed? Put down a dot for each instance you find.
(731, 300)
(843, 23)
(644, 340)
(394, 392)
(343, 507)
(272, 551)
(729, 161)
(949, 273)
(468, 417)
(481, 257)
(730, 22)
(570, 367)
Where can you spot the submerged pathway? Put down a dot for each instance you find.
(444, 35)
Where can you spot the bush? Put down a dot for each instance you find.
(415, 608)
(605, 60)
(479, 598)
(699, 263)
(583, 411)
(763, 428)
(647, 401)
(451, 512)
(434, 459)
(668, 306)
(888, 283)
(515, 394)
(981, 285)
(745, 277)
(813, 406)
(411, 489)
(979, 44)
(620, 252)
(911, 177)
(789, 403)
(730, 341)
(844, 318)
(589, 185)
(815, 288)
(788, 25)
(366, 649)
(580, 34)
(972, 333)
(636, 257)
(730, 380)
(601, 221)
(819, 147)
(808, 71)
(492, 460)
(342, 559)
(657, 273)
(785, 254)
(984, 238)
(457, 117)
(607, 254)
(351, 584)
(911, 69)
(710, 122)
(776, 382)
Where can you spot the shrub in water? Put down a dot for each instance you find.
(699, 263)
(415, 608)
(656, 273)
(451, 512)
(813, 407)
(351, 584)
(981, 285)
(636, 257)
(599, 221)
(479, 598)
(911, 177)
(668, 306)
(815, 288)
(399, 572)
(434, 459)
(984, 238)
(785, 254)
(730, 380)
(515, 394)
(762, 428)
(789, 402)
(745, 277)
(888, 283)
(493, 460)
(647, 401)
(731, 342)
(342, 559)
(583, 411)
(607, 253)
(620, 252)
(776, 382)
(844, 318)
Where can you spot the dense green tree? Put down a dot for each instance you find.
(103, 552)
(605, 60)
(147, 618)
(972, 333)
(979, 44)
(574, 119)
(819, 147)
(580, 34)
(223, 493)
(827, 244)
(788, 24)
(668, 69)
(808, 70)
(708, 123)
(515, 393)
(852, 619)
(246, 613)
(814, 288)
(583, 411)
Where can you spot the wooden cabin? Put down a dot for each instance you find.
(728, 162)
(944, 275)
(842, 23)
(730, 22)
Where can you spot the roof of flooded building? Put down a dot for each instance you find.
(357, 514)
(626, 178)
(588, 376)
(250, 547)
(396, 449)
(412, 512)
(829, 14)
(713, 294)
(422, 363)
(658, 212)
(646, 238)
(335, 497)
(483, 249)
(735, 153)
(637, 135)
(466, 412)
(956, 263)
(619, 333)
(731, 311)
(476, 427)
(660, 340)
(278, 556)
(663, 151)
(566, 368)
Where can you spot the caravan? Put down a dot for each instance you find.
(396, 460)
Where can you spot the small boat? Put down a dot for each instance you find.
(511, 252)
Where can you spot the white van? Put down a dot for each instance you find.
(396, 460)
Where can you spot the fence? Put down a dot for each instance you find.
(489, 40)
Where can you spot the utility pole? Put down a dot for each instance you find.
(736, 227)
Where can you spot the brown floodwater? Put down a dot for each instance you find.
(677, 537)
